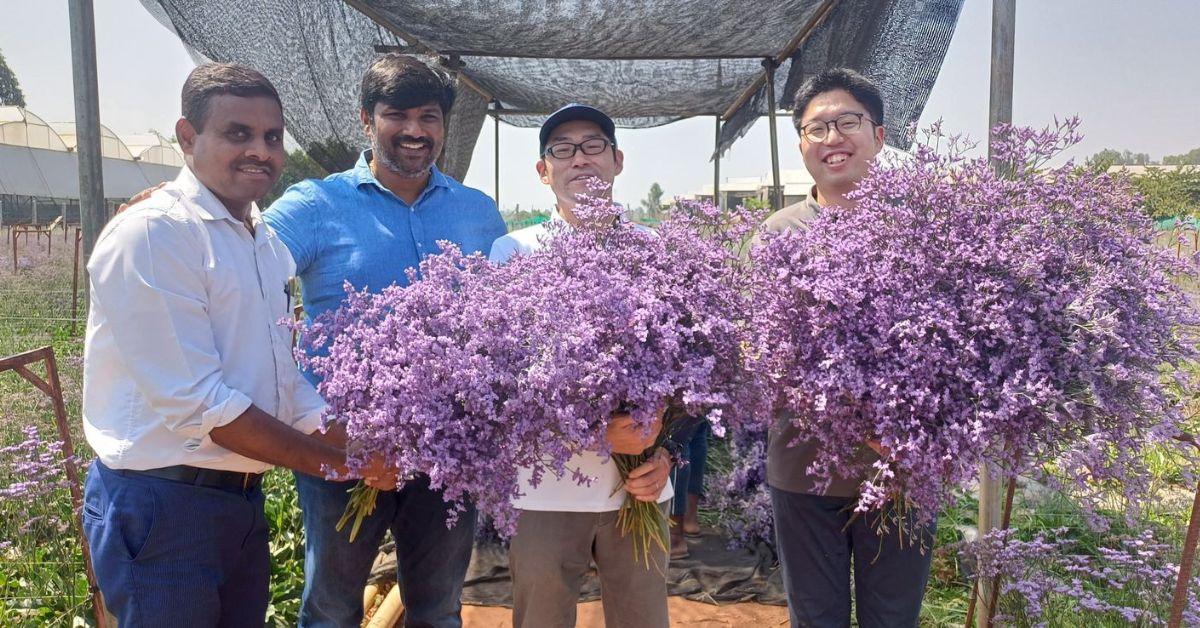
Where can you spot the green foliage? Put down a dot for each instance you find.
(652, 205)
(298, 167)
(1191, 157)
(1109, 157)
(287, 548)
(1170, 193)
(10, 89)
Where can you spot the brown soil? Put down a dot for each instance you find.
(683, 613)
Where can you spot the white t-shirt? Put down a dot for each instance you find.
(565, 494)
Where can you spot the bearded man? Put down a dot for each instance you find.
(368, 225)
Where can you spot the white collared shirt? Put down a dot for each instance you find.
(183, 333)
(565, 494)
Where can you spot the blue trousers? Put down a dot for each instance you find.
(816, 540)
(172, 554)
(689, 478)
(431, 560)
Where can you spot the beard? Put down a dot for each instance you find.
(386, 156)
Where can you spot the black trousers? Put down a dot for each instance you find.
(817, 544)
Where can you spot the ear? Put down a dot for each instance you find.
(880, 134)
(543, 172)
(366, 121)
(619, 159)
(186, 134)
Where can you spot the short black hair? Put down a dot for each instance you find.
(403, 81)
(216, 79)
(859, 86)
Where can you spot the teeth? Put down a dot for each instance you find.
(835, 159)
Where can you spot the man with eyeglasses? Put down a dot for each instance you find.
(563, 526)
(838, 114)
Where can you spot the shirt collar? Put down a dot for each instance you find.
(207, 205)
(362, 174)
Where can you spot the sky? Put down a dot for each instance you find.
(1128, 69)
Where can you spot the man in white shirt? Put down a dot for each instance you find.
(190, 389)
(564, 526)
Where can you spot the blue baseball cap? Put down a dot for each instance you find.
(576, 111)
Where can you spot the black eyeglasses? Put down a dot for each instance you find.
(850, 123)
(566, 150)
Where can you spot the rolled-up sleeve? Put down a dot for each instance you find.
(309, 406)
(148, 274)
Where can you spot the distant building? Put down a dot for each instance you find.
(797, 185)
(39, 169)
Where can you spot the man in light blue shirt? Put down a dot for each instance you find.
(368, 225)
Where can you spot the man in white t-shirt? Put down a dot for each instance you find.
(564, 526)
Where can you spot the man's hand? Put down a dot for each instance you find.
(879, 449)
(646, 482)
(627, 437)
(378, 474)
(139, 197)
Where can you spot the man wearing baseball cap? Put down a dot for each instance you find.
(563, 526)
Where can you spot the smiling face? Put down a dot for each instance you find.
(238, 155)
(568, 177)
(841, 161)
(406, 141)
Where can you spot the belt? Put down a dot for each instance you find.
(211, 478)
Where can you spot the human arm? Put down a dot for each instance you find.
(647, 480)
(627, 437)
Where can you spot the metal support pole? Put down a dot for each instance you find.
(776, 189)
(496, 118)
(87, 121)
(1000, 111)
(717, 166)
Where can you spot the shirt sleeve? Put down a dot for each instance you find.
(147, 276)
(309, 406)
(503, 249)
(291, 217)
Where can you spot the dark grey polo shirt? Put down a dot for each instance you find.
(787, 467)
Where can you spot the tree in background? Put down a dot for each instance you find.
(10, 89)
(1169, 193)
(652, 204)
(298, 167)
(1191, 157)
(1109, 157)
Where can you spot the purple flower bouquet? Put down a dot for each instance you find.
(960, 317)
(475, 371)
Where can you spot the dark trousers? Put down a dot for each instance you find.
(816, 549)
(173, 554)
(431, 560)
(688, 479)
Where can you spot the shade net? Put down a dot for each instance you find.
(645, 62)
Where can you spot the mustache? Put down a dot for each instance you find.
(409, 139)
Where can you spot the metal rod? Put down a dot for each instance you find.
(87, 121)
(802, 35)
(414, 44)
(517, 54)
(999, 111)
(776, 189)
(496, 120)
(75, 283)
(717, 165)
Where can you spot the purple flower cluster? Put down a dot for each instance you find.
(742, 500)
(475, 370)
(1130, 581)
(31, 472)
(960, 317)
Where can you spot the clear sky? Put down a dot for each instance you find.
(1129, 69)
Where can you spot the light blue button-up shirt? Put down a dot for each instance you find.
(349, 227)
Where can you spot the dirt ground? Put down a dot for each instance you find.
(684, 613)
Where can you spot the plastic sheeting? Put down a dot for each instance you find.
(645, 62)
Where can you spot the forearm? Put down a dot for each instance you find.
(256, 434)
